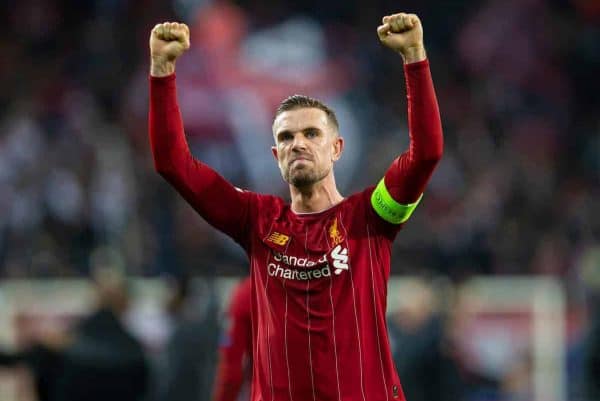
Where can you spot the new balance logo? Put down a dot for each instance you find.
(278, 238)
(340, 259)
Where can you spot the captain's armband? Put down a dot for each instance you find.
(387, 208)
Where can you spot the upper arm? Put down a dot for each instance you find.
(388, 208)
(400, 191)
(221, 204)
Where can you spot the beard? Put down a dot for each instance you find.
(303, 177)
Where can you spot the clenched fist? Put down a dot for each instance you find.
(168, 41)
(404, 34)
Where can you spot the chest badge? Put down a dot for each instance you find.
(335, 235)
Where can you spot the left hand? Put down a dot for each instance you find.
(403, 33)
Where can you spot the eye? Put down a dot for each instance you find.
(311, 133)
(285, 137)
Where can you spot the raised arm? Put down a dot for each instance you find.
(215, 199)
(401, 189)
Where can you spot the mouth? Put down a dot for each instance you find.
(299, 159)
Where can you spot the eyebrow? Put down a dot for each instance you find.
(307, 129)
(311, 129)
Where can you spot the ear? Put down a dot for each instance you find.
(338, 148)
(274, 151)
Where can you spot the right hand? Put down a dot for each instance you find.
(403, 33)
(168, 41)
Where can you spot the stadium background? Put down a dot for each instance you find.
(516, 194)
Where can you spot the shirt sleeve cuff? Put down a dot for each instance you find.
(162, 80)
(417, 65)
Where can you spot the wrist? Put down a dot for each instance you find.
(160, 67)
(413, 54)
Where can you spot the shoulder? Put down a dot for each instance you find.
(261, 202)
(361, 207)
(270, 205)
(265, 209)
(358, 200)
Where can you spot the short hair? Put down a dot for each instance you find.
(301, 101)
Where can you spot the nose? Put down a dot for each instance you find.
(299, 142)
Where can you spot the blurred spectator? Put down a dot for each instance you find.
(591, 367)
(104, 361)
(185, 370)
(98, 359)
(420, 348)
(589, 266)
(44, 359)
(234, 368)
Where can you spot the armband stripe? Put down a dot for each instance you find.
(388, 209)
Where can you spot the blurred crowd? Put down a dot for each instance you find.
(514, 194)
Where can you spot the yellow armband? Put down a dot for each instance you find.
(387, 208)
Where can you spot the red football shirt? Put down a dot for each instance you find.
(319, 297)
(319, 281)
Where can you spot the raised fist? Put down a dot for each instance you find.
(404, 34)
(168, 41)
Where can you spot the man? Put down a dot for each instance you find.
(104, 361)
(235, 353)
(320, 265)
(97, 359)
(185, 368)
(420, 346)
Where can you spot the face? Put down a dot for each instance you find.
(306, 145)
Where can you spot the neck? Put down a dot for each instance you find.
(316, 197)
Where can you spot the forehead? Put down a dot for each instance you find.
(299, 119)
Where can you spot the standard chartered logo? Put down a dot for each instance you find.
(277, 270)
(286, 267)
